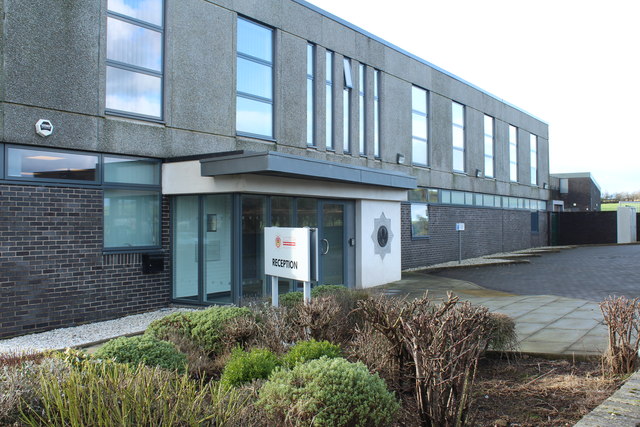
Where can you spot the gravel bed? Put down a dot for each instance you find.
(83, 335)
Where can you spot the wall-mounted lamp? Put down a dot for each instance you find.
(400, 159)
(545, 186)
(478, 173)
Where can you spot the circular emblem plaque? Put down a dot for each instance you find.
(278, 241)
(383, 236)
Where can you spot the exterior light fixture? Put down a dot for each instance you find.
(400, 159)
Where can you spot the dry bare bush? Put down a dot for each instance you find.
(441, 343)
(622, 317)
(445, 342)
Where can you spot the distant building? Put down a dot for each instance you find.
(579, 191)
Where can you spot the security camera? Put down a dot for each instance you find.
(44, 127)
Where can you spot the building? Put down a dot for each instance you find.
(145, 145)
(578, 192)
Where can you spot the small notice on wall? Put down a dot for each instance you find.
(459, 226)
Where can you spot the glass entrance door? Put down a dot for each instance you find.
(337, 243)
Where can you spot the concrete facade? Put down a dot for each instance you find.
(54, 66)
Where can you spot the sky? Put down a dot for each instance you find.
(574, 64)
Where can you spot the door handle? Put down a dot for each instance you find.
(326, 242)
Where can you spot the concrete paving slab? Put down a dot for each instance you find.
(542, 347)
(527, 329)
(558, 335)
(567, 323)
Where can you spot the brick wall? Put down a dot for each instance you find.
(487, 231)
(52, 269)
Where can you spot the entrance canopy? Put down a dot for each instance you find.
(292, 166)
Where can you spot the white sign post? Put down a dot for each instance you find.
(290, 253)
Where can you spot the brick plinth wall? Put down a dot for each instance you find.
(53, 272)
(487, 231)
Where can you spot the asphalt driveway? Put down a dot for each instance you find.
(590, 273)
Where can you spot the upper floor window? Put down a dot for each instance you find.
(513, 153)
(135, 58)
(533, 140)
(457, 130)
(376, 113)
(346, 105)
(47, 165)
(361, 117)
(310, 94)
(419, 127)
(329, 99)
(488, 146)
(254, 87)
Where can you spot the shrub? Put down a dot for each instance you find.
(622, 317)
(101, 394)
(244, 367)
(143, 349)
(503, 335)
(324, 290)
(290, 299)
(204, 327)
(305, 351)
(327, 392)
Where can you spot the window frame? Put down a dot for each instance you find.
(362, 110)
(513, 145)
(489, 157)
(428, 233)
(329, 60)
(346, 105)
(461, 126)
(424, 114)
(311, 95)
(252, 97)
(5, 165)
(376, 114)
(137, 69)
(533, 165)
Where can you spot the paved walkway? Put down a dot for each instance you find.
(546, 324)
(589, 272)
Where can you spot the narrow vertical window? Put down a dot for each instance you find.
(457, 130)
(346, 106)
(533, 141)
(254, 87)
(134, 71)
(361, 117)
(329, 100)
(513, 153)
(488, 146)
(419, 127)
(376, 113)
(310, 95)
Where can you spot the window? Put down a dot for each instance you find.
(135, 58)
(329, 99)
(131, 203)
(488, 146)
(310, 95)
(535, 227)
(46, 165)
(533, 143)
(457, 129)
(419, 220)
(361, 117)
(376, 113)
(346, 105)
(254, 88)
(513, 153)
(419, 127)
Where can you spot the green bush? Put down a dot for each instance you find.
(113, 394)
(503, 335)
(143, 349)
(204, 327)
(325, 290)
(290, 299)
(244, 367)
(305, 351)
(328, 392)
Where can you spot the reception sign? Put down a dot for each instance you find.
(287, 253)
